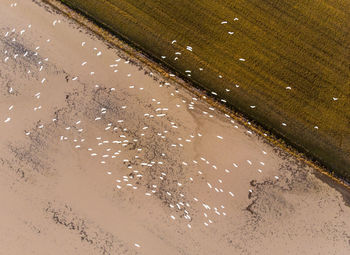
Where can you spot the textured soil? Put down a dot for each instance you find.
(99, 161)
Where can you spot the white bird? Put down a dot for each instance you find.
(242, 59)
(7, 120)
(224, 22)
(252, 106)
(174, 41)
(231, 33)
(335, 98)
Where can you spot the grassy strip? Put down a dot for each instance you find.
(281, 42)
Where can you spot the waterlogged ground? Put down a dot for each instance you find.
(100, 155)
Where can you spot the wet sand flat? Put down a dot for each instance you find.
(99, 154)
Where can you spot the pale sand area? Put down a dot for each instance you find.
(58, 197)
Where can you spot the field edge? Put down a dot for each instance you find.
(132, 50)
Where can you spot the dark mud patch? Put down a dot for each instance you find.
(103, 242)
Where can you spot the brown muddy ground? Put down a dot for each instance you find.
(106, 157)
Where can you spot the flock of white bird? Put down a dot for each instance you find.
(189, 72)
(124, 141)
(114, 149)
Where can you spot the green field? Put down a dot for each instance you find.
(302, 44)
